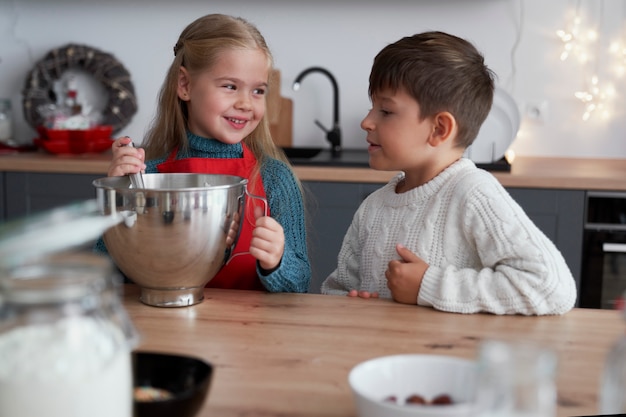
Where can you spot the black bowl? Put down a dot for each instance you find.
(185, 377)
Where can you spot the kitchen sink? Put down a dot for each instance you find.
(357, 158)
(325, 157)
(298, 153)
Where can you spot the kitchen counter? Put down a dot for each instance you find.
(290, 354)
(531, 172)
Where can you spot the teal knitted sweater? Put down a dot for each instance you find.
(286, 207)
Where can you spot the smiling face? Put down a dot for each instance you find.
(226, 102)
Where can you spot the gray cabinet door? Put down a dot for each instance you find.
(27, 193)
(331, 206)
(2, 196)
(560, 215)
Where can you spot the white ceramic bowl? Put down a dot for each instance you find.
(401, 376)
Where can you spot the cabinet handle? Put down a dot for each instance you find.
(614, 247)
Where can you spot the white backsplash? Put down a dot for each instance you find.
(342, 36)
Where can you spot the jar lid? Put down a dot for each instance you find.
(52, 231)
(57, 278)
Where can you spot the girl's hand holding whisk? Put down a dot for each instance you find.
(126, 159)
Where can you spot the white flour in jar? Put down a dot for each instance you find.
(75, 367)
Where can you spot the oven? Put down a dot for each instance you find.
(603, 274)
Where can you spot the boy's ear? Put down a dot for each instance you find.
(182, 88)
(444, 129)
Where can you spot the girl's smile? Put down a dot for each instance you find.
(236, 123)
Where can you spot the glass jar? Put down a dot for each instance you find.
(516, 379)
(65, 339)
(6, 123)
(613, 382)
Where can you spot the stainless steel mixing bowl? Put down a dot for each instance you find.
(177, 231)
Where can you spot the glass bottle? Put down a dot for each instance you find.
(613, 382)
(516, 379)
(65, 340)
(6, 123)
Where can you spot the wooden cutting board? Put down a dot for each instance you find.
(279, 113)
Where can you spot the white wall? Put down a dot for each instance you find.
(342, 36)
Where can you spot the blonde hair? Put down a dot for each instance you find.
(197, 49)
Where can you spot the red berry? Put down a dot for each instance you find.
(415, 399)
(443, 399)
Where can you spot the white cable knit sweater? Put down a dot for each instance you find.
(484, 253)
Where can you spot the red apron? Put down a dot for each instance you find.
(240, 273)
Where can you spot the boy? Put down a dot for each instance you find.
(442, 233)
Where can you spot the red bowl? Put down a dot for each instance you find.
(53, 134)
(95, 133)
(74, 146)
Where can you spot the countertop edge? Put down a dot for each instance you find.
(526, 172)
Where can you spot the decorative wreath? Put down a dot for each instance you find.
(38, 89)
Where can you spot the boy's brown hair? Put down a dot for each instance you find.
(441, 72)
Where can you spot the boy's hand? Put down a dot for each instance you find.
(404, 276)
(362, 294)
(268, 241)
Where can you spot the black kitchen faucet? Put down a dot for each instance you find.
(333, 135)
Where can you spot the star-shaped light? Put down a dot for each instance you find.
(597, 99)
(576, 40)
(618, 50)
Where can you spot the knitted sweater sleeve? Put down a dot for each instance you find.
(287, 207)
(519, 270)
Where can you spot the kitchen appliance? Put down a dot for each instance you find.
(178, 231)
(603, 278)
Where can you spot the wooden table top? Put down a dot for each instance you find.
(290, 354)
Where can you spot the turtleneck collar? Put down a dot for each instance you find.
(213, 146)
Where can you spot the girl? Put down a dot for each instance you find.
(211, 119)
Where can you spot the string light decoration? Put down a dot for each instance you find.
(597, 99)
(577, 41)
(618, 51)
